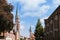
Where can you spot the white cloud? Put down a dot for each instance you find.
(27, 2)
(33, 26)
(32, 2)
(12, 1)
(22, 26)
(32, 7)
(56, 2)
(42, 20)
(39, 11)
(22, 22)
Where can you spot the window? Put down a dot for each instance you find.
(56, 17)
(51, 22)
(47, 24)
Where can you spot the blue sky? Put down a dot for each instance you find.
(31, 10)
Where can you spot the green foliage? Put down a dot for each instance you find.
(8, 8)
(21, 39)
(38, 30)
(6, 17)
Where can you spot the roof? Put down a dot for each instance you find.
(56, 10)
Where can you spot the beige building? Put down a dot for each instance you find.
(52, 26)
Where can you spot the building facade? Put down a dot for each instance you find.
(52, 26)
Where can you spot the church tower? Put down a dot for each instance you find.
(32, 37)
(30, 33)
(17, 37)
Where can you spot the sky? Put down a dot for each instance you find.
(29, 11)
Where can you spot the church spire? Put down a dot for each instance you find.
(30, 29)
(30, 33)
(16, 16)
(17, 25)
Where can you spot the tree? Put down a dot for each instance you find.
(38, 31)
(21, 38)
(6, 17)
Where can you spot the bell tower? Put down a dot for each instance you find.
(17, 37)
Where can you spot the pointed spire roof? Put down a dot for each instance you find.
(16, 16)
(30, 29)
